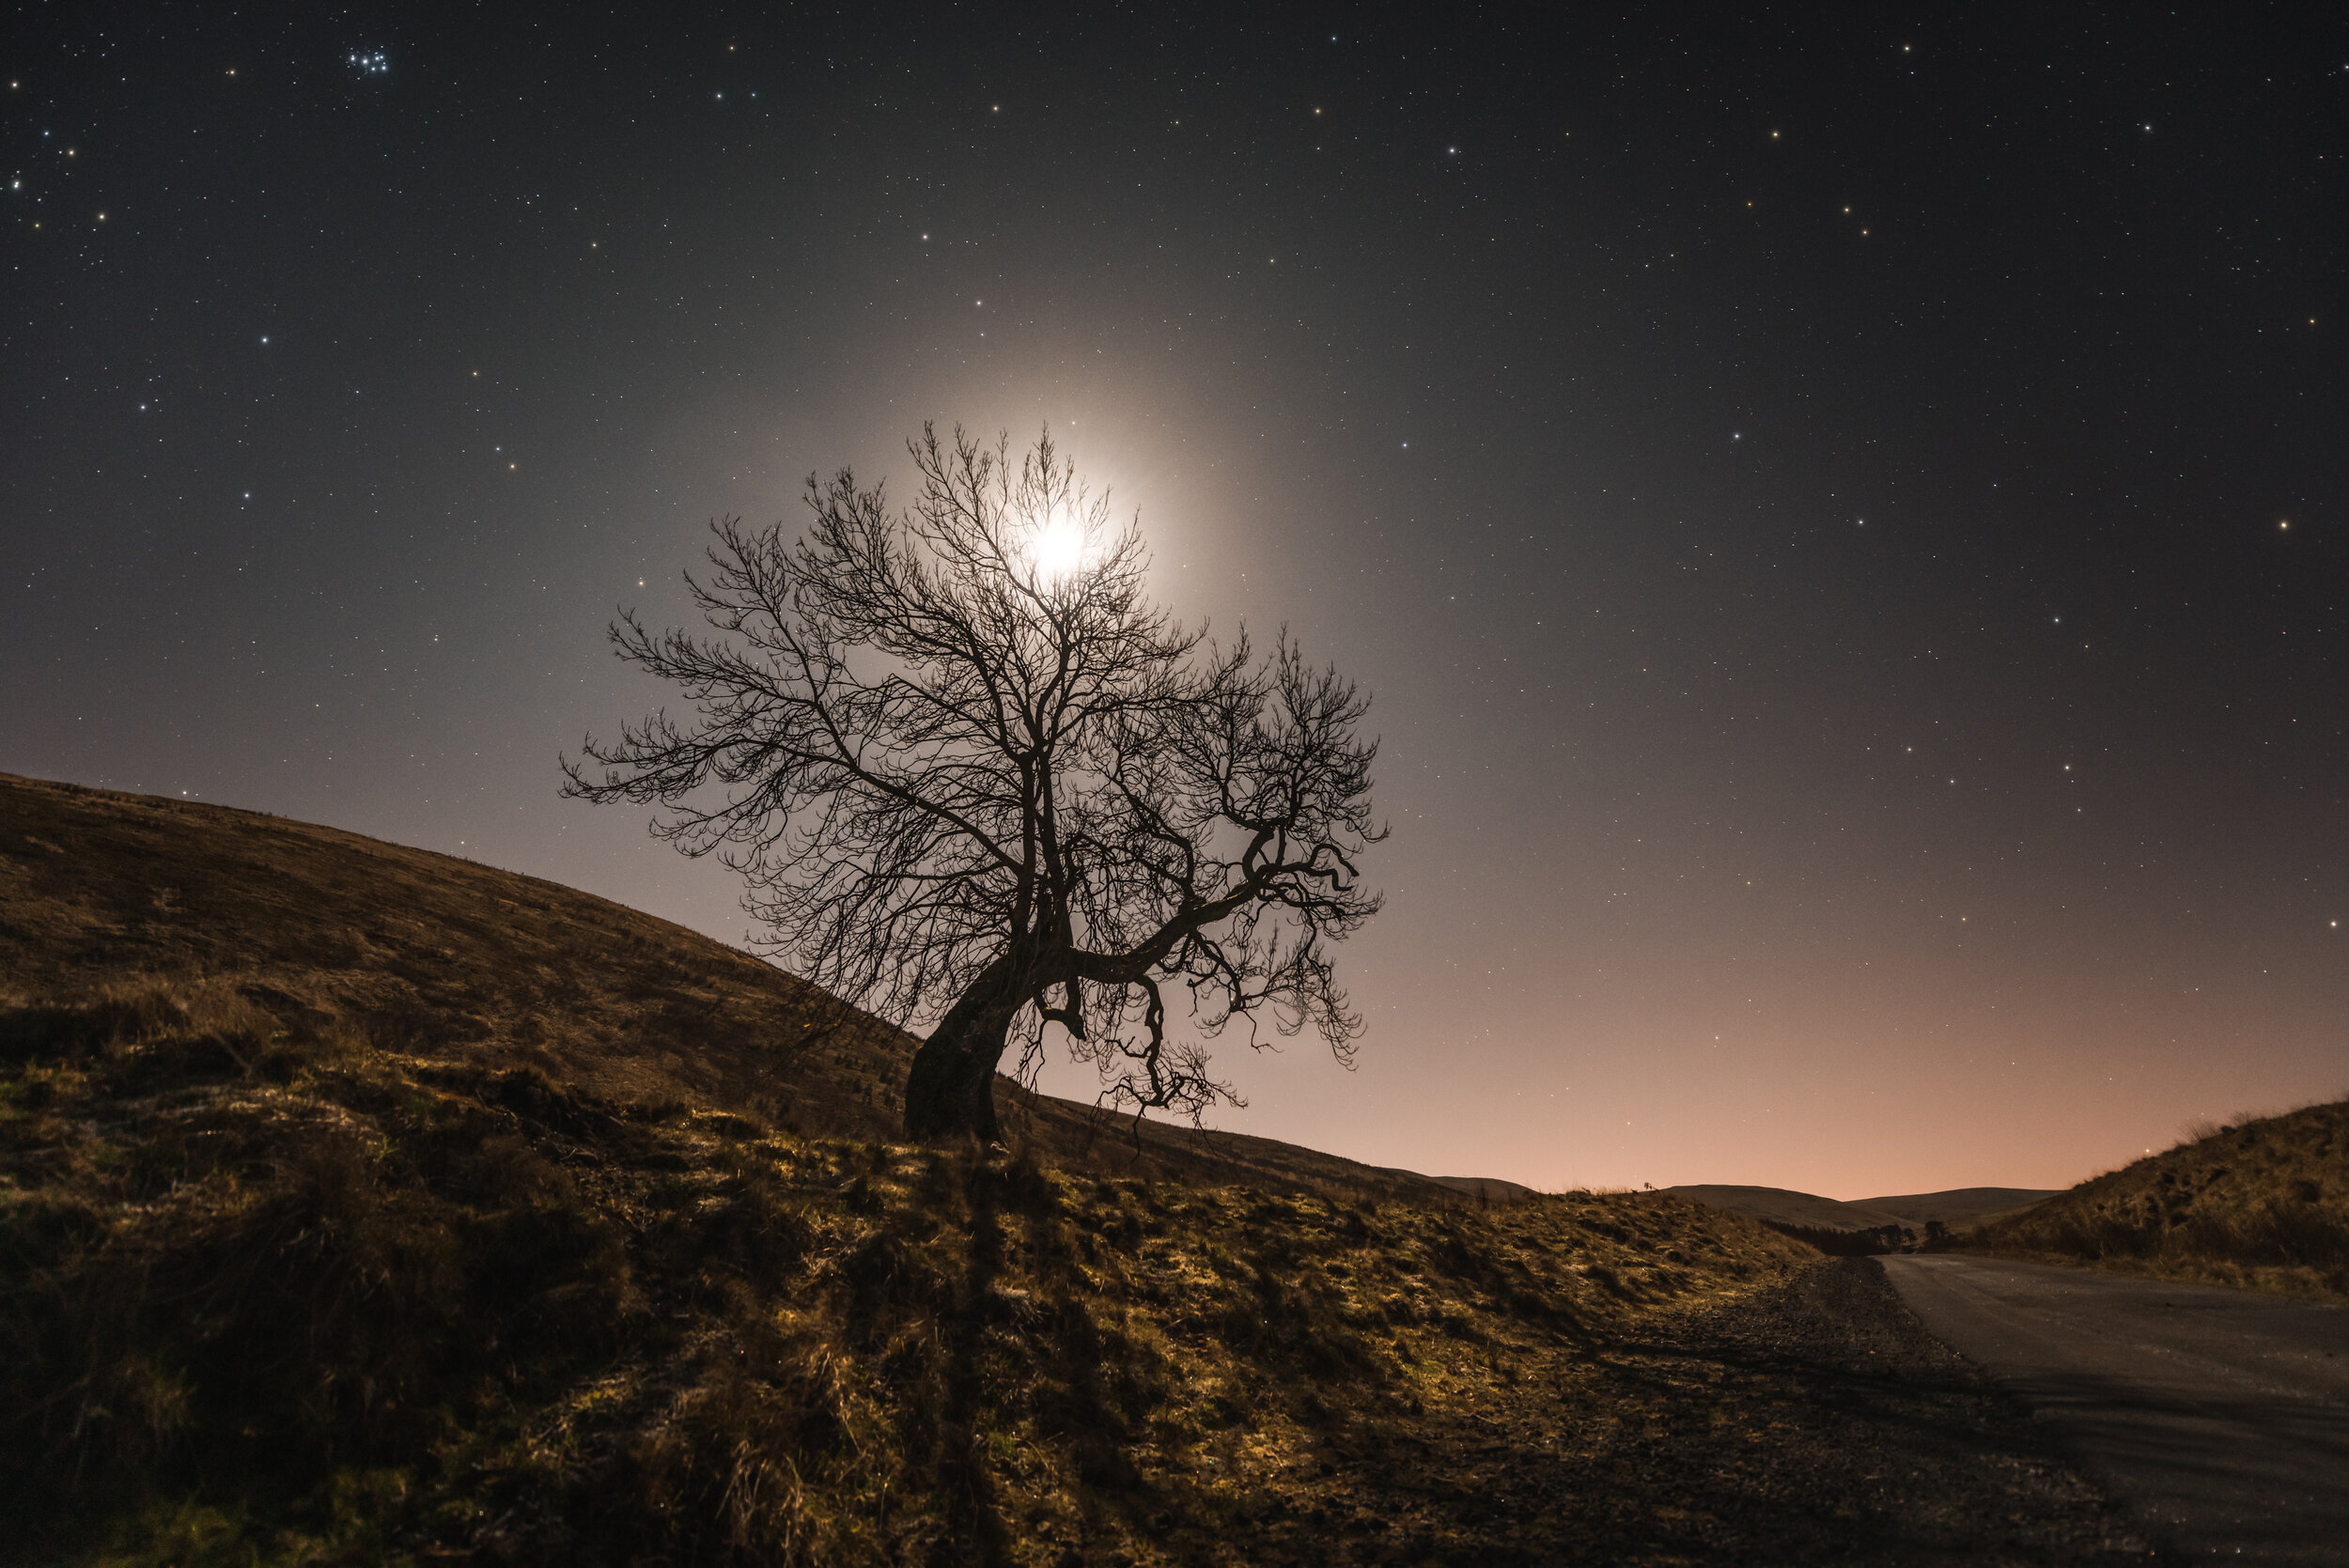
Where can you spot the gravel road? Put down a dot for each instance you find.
(2220, 1417)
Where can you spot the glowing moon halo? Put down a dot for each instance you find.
(1058, 547)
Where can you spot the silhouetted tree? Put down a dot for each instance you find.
(971, 774)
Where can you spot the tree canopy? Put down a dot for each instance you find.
(972, 775)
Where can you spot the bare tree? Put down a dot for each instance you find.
(971, 774)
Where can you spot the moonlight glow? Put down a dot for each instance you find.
(1649, 691)
(1059, 547)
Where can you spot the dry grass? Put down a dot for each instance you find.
(279, 1293)
(464, 965)
(2261, 1201)
(363, 1206)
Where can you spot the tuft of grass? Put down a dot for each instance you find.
(2258, 1201)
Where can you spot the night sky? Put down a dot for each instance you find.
(1841, 509)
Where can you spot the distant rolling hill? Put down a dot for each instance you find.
(1963, 1206)
(1960, 1205)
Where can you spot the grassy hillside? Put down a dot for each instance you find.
(360, 1205)
(457, 963)
(2263, 1202)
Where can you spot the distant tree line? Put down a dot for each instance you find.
(1870, 1242)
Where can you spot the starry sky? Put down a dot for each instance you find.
(1842, 508)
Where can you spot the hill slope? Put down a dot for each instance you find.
(458, 963)
(2264, 1201)
(364, 1206)
(1960, 1205)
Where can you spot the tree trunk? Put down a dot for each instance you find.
(951, 1090)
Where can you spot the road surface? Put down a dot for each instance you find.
(2220, 1417)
